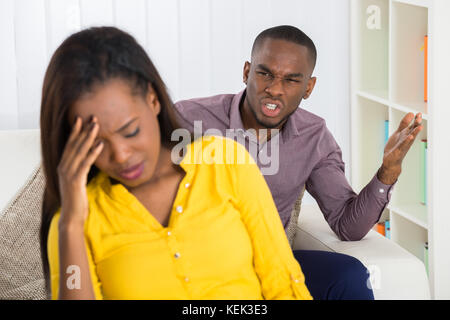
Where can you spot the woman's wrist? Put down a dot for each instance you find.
(70, 226)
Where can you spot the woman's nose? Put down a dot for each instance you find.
(120, 153)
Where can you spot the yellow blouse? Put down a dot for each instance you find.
(224, 239)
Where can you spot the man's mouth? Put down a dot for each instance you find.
(271, 109)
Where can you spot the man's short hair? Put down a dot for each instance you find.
(288, 33)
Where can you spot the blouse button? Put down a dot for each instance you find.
(179, 209)
(177, 255)
(187, 185)
(186, 279)
(169, 233)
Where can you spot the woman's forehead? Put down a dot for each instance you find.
(108, 103)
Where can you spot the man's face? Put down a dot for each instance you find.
(277, 79)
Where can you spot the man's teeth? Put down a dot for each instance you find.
(271, 106)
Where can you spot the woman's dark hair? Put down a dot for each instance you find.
(86, 59)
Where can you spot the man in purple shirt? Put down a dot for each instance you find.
(304, 152)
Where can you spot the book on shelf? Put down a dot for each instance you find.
(425, 73)
(386, 131)
(383, 228)
(380, 228)
(425, 255)
(423, 171)
(385, 137)
(387, 228)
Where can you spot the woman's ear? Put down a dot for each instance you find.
(152, 100)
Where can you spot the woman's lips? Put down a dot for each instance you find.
(133, 172)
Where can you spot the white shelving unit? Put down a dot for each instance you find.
(388, 82)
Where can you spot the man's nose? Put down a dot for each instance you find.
(275, 87)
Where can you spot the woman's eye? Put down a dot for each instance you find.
(133, 134)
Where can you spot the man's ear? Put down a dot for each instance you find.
(310, 87)
(246, 71)
(152, 100)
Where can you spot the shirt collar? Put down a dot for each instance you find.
(235, 114)
(288, 131)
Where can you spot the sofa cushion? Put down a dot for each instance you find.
(20, 259)
(293, 222)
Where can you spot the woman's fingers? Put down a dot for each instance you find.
(75, 130)
(92, 155)
(77, 150)
(71, 140)
(87, 141)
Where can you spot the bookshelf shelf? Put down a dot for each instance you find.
(419, 3)
(382, 98)
(411, 107)
(416, 213)
(399, 64)
(378, 96)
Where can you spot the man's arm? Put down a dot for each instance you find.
(351, 216)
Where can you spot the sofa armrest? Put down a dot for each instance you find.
(21, 154)
(394, 272)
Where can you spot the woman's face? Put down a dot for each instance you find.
(129, 130)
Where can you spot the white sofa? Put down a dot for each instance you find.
(395, 273)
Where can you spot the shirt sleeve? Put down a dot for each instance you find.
(279, 272)
(53, 259)
(350, 215)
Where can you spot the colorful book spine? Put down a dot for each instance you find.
(381, 228)
(425, 80)
(386, 131)
(423, 171)
(425, 256)
(387, 227)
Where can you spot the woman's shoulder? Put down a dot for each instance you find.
(214, 149)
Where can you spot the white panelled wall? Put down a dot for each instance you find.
(199, 47)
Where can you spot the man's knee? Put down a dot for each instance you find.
(354, 279)
(350, 269)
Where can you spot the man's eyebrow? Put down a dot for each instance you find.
(295, 75)
(291, 75)
(126, 125)
(264, 68)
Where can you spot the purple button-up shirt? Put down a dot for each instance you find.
(307, 155)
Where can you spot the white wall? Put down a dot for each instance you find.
(199, 47)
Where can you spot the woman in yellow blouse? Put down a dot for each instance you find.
(122, 219)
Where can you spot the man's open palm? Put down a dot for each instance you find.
(401, 140)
